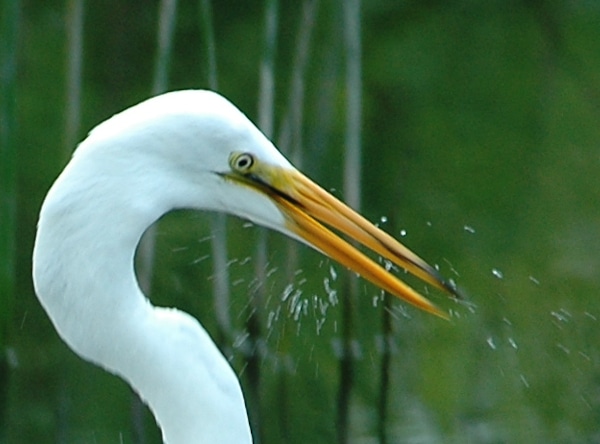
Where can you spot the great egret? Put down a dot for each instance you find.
(185, 149)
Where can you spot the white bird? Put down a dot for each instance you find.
(185, 149)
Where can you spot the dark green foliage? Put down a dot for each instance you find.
(480, 140)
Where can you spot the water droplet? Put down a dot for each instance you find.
(287, 291)
(562, 317)
(402, 233)
(323, 306)
(497, 273)
(383, 219)
(388, 265)
(469, 229)
(512, 343)
(200, 259)
(568, 314)
(320, 323)
(491, 343)
(331, 293)
(270, 319)
(300, 306)
(452, 284)
(240, 339)
(332, 273)
(295, 304)
(534, 280)
(584, 356)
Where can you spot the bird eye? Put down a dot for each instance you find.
(241, 162)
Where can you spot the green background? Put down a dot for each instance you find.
(480, 136)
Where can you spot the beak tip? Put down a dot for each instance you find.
(451, 287)
(440, 313)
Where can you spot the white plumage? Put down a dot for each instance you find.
(187, 149)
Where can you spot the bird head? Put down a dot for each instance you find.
(202, 152)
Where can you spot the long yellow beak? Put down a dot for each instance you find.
(306, 203)
(307, 207)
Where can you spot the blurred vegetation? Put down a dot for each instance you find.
(481, 149)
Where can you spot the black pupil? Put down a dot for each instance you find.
(244, 162)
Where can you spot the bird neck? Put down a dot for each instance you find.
(84, 278)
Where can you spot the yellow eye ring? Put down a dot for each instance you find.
(241, 162)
